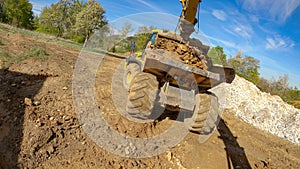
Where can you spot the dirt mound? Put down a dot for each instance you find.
(196, 57)
(264, 111)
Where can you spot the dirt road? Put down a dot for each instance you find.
(40, 129)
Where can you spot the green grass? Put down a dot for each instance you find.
(70, 44)
(7, 28)
(40, 36)
(6, 59)
(34, 52)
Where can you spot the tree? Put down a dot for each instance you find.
(47, 20)
(74, 9)
(60, 17)
(281, 88)
(246, 67)
(3, 15)
(19, 13)
(61, 13)
(145, 29)
(122, 41)
(126, 29)
(264, 85)
(218, 56)
(91, 18)
(141, 37)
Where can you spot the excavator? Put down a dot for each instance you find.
(174, 72)
(187, 18)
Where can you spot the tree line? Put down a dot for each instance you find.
(248, 68)
(17, 13)
(71, 19)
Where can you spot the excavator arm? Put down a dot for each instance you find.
(188, 19)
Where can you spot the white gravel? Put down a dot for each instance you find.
(262, 110)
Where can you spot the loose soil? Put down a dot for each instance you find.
(40, 129)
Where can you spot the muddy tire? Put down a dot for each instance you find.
(131, 70)
(206, 114)
(142, 96)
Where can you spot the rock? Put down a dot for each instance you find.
(28, 101)
(36, 103)
(66, 118)
(39, 124)
(127, 150)
(130, 149)
(169, 156)
(50, 149)
(65, 88)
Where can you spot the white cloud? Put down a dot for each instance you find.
(219, 14)
(224, 42)
(145, 3)
(254, 18)
(277, 10)
(238, 24)
(244, 31)
(38, 6)
(279, 42)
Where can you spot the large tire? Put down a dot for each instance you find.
(206, 114)
(131, 70)
(143, 92)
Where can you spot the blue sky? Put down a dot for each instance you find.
(266, 30)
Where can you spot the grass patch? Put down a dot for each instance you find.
(7, 28)
(27, 32)
(70, 44)
(6, 59)
(34, 52)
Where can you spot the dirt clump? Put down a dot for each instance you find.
(190, 55)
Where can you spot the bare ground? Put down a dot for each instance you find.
(39, 127)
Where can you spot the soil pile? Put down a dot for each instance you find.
(264, 111)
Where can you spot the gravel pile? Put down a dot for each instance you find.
(262, 110)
